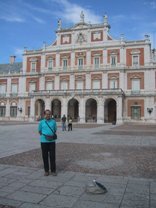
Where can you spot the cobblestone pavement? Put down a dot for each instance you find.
(92, 158)
(120, 157)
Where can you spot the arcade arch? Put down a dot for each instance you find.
(73, 109)
(91, 110)
(56, 109)
(39, 108)
(110, 111)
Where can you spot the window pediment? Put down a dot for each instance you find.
(33, 59)
(135, 51)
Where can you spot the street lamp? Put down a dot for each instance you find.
(149, 110)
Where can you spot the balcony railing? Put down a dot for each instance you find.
(77, 92)
(13, 94)
(2, 95)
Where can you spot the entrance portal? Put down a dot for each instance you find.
(91, 110)
(56, 109)
(110, 111)
(73, 109)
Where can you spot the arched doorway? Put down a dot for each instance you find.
(91, 110)
(56, 109)
(39, 109)
(110, 111)
(73, 109)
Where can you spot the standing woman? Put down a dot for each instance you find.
(47, 128)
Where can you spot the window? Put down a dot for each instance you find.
(96, 84)
(2, 111)
(50, 64)
(14, 88)
(65, 64)
(113, 60)
(64, 85)
(135, 60)
(2, 89)
(136, 112)
(33, 66)
(135, 85)
(79, 85)
(80, 63)
(32, 86)
(49, 85)
(96, 62)
(113, 84)
(13, 111)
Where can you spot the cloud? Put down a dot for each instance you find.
(38, 20)
(71, 12)
(9, 14)
(20, 12)
(38, 9)
(151, 4)
(18, 52)
(12, 18)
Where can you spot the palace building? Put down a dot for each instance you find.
(86, 74)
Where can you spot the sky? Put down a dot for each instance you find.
(30, 23)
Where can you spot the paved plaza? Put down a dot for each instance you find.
(120, 157)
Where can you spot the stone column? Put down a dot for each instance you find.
(105, 57)
(42, 83)
(122, 56)
(122, 80)
(82, 111)
(43, 60)
(64, 109)
(105, 81)
(100, 112)
(57, 61)
(32, 110)
(56, 84)
(8, 86)
(72, 82)
(88, 59)
(119, 110)
(7, 115)
(88, 81)
(47, 103)
(72, 60)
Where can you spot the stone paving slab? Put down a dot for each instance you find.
(26, 187)
(44, 192)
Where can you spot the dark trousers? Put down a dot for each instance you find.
(48, 155)
(69, 127)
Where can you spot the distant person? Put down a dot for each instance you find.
(70, 124)
(64, 123)
(47, 128)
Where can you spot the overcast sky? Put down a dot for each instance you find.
(29, 23)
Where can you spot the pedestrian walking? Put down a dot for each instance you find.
(47, 129)
(64, 123)
(70, 124)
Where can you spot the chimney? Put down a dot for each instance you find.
(12, 59)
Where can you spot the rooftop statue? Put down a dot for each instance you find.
(82, 17)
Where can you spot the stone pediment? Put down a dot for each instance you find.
(81, 25)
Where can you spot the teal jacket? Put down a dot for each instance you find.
(44, 129)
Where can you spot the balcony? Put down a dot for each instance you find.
(2, 95)
(78, 92)
(13, 94)
(140, 93)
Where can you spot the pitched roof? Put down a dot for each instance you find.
(12, 68)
